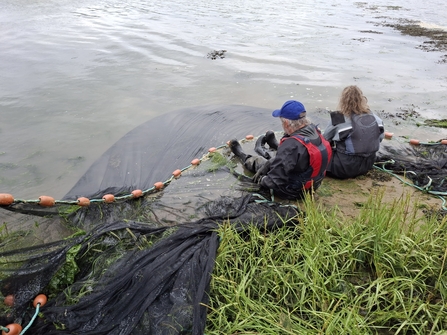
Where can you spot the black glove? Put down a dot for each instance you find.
(261, 172)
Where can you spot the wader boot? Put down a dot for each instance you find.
(270, 139)
(236, 149)
(260, 148)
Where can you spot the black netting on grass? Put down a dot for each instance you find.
(131, 277)
(424, 164)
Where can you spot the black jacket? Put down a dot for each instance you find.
(291, 161)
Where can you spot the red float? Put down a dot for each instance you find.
(137, 193)
(82, 201)
(177, 173)
(46, 201)
(6, 199)
(159, 185)
(9, 300)
(108, 198)
(41, 299)
(14, 329)
(388, 135)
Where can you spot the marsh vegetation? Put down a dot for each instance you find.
(382, 272)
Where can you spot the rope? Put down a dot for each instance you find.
(425, 188)
(32, 320)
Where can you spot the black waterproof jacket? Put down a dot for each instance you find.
(291, 162)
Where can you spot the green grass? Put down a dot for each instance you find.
(380, 273)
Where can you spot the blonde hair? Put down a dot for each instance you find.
(352, 101)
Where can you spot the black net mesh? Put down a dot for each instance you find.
(143, 266)
(424, 164)
(135, 266)
(127, 277)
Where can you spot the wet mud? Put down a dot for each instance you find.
(437, 38)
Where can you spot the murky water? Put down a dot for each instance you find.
(75, 76)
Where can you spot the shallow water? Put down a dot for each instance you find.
(77, 76)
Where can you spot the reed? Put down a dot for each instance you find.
(383, 272)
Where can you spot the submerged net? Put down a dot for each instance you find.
(136, 265)
(143, 265)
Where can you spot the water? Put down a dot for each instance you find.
(75, 76)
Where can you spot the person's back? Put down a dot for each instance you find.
(300, 163)
(355, 134)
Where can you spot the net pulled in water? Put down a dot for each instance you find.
(135, 265)
(143, 265)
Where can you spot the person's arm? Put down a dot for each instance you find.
(290, 159)
(329, 132)
(381, 127)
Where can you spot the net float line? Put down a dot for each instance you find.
(7, 199)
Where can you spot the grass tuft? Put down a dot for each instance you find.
(383, 272)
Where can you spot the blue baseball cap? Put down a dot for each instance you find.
(291, 110)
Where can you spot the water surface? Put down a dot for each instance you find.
(75, 76)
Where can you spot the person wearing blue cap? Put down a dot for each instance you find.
(355, 134)
(301, 159)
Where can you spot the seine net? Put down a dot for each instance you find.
(143, 265)
(136, 265)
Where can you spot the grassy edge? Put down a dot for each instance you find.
(382, 272)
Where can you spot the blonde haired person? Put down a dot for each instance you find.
(355, 134)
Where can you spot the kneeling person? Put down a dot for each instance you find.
(301, 159)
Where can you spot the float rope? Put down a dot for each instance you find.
(32, 320)
(424, 188)
(46, 201)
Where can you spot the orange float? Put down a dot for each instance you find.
(388, 135)
(177, 173)
(41, 299)
(83, 201)
(414, 142)
(444, 142)
(9, 300)
(108, 198)
(195, 161)
(6, 199)
(159, 185)
(212, 149)
(137, 193)
(249, 137)
(14, 329)
(46, 201)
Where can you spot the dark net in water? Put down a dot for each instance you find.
(143, 266)
(136, 266)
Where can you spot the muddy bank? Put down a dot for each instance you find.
(436, 38)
